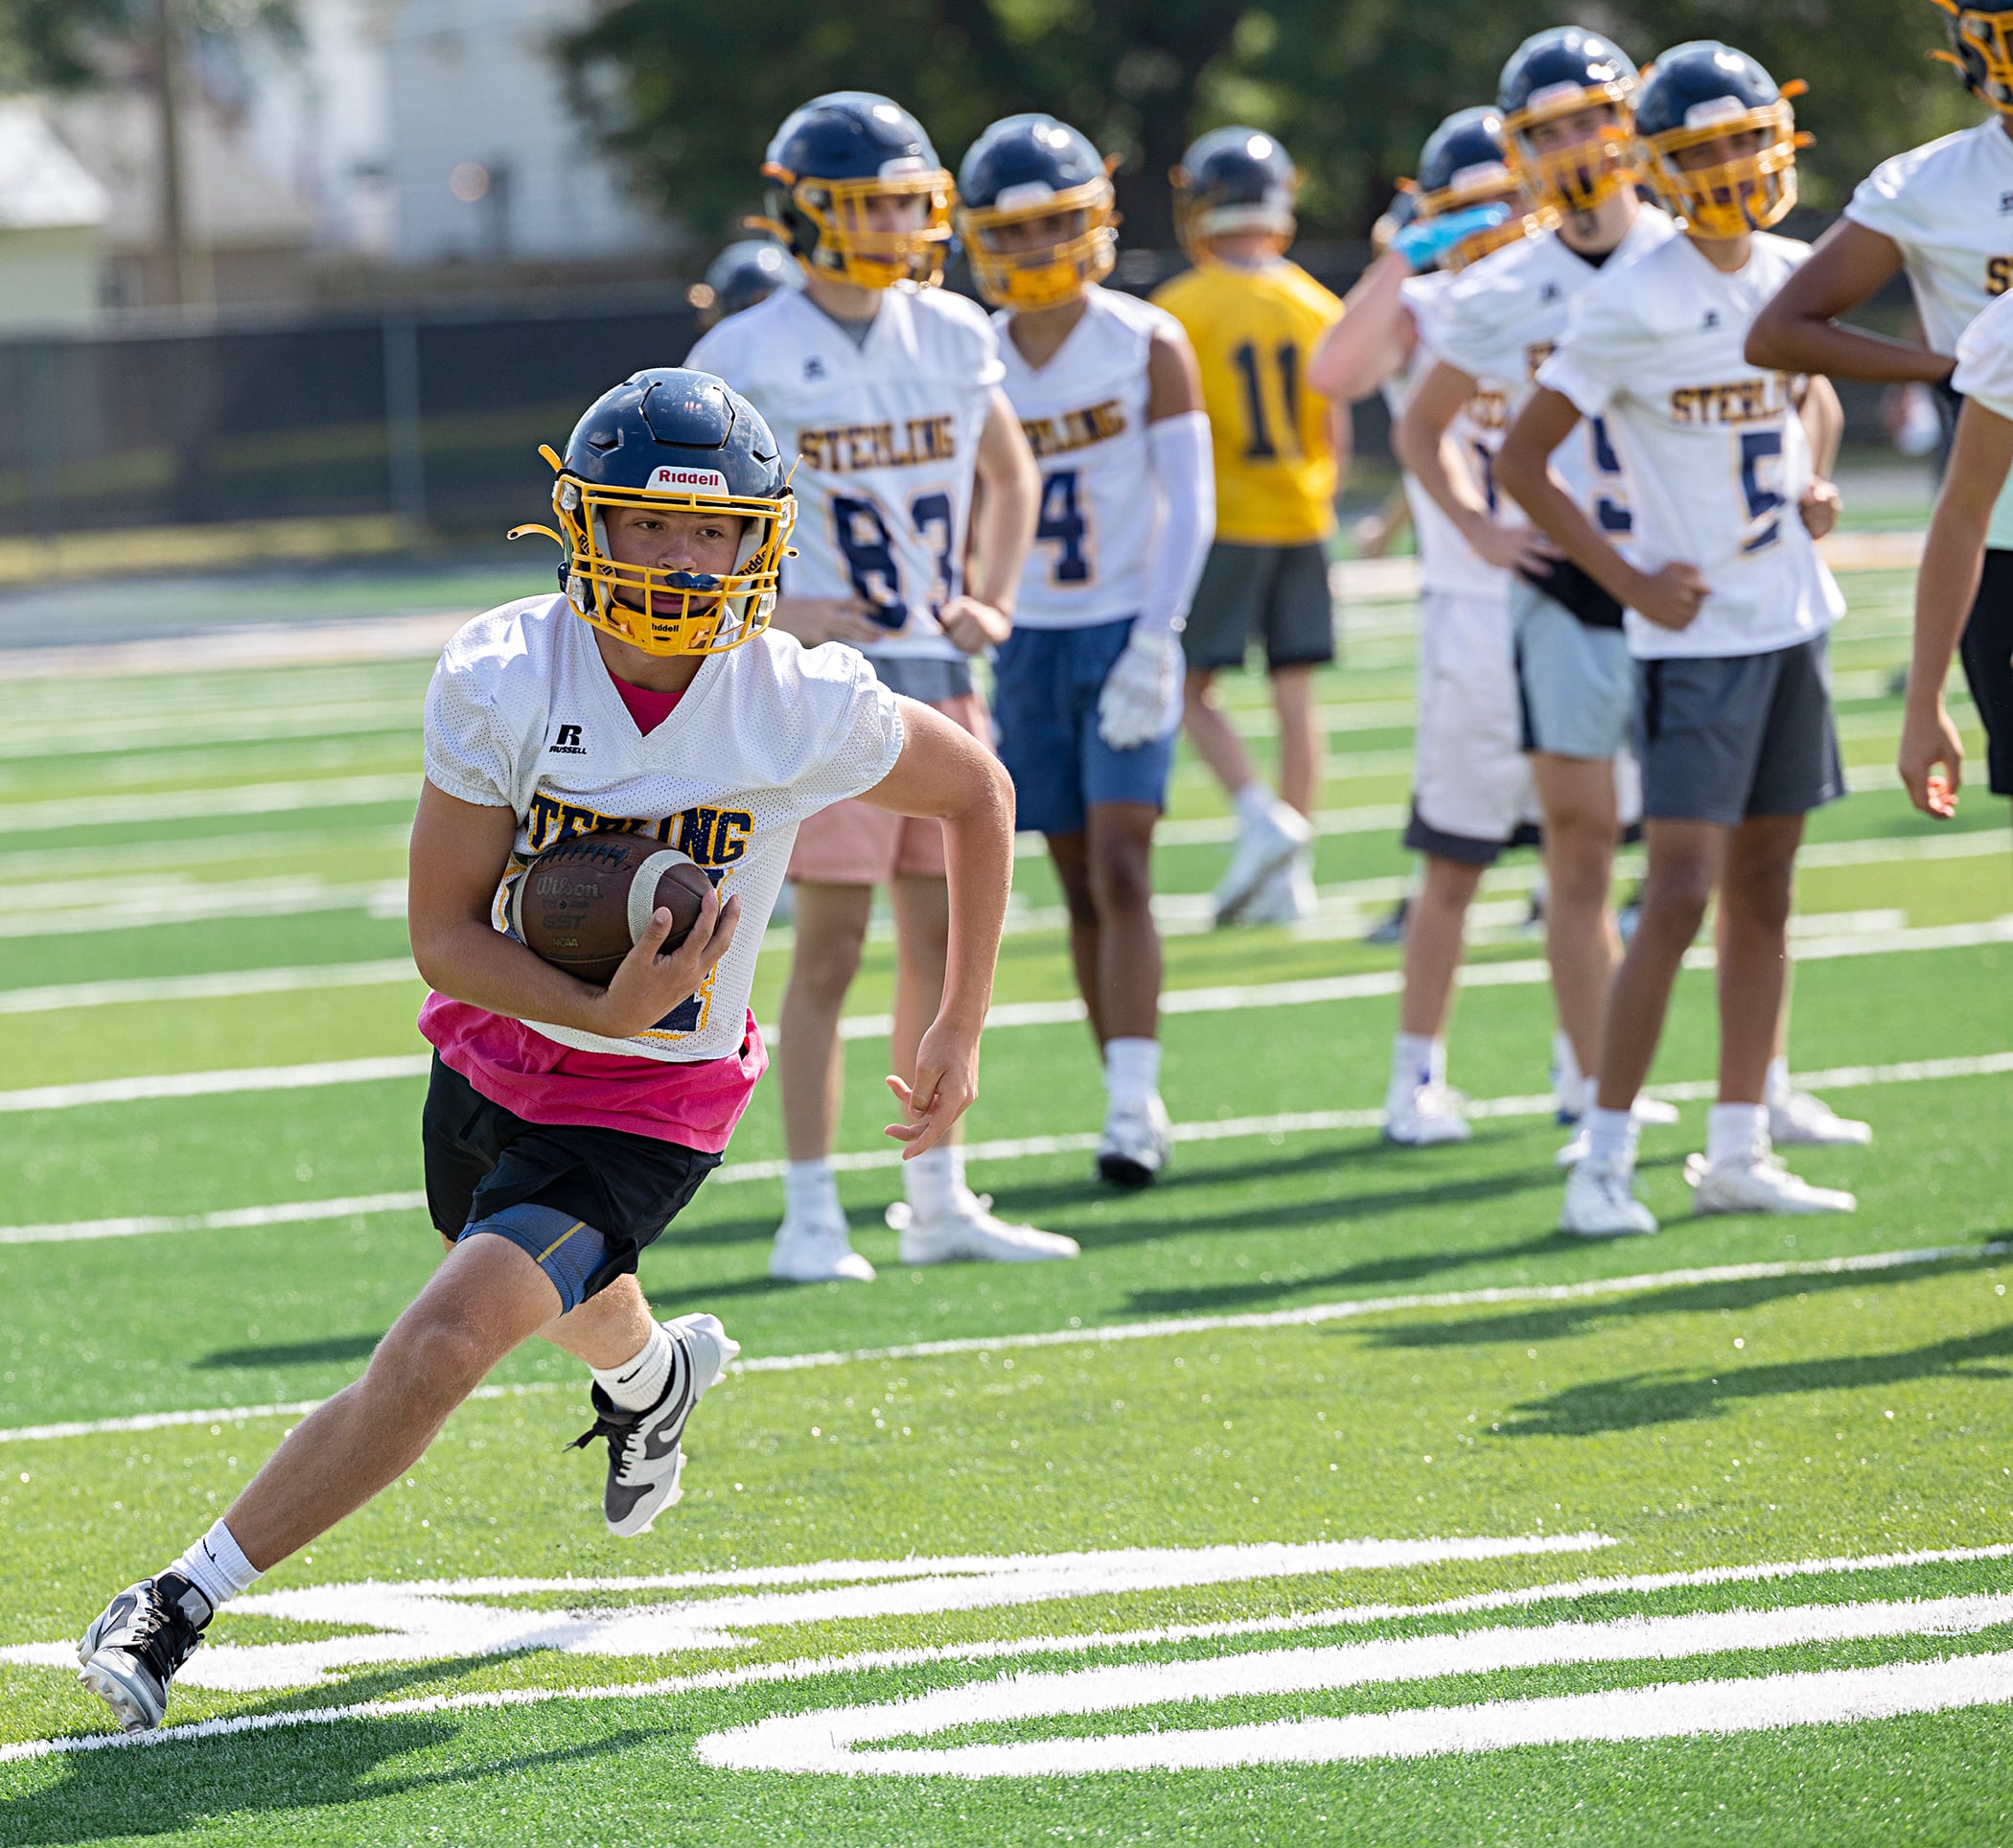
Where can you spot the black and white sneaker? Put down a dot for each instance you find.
(644, 1459)
(131, 1652)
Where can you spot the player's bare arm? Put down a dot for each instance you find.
(1373, 338)
(1424, 446)
(1798, 329)
(1004, 516)
(1669, 596)
(1981, 456)
(945, 775)
(1174, 378)
(1824, 425)
(458, 854)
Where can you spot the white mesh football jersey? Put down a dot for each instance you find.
(522, 715)
(1448, 565)
(885, 438)
(1948, 205)
(1985, 358)
(1084, 415)
(1499, 320)
(1715, 452)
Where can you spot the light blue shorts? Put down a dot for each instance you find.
(1576, 682)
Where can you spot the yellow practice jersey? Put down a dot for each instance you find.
(1251, 330)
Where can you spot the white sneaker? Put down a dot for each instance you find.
(1264, 846)
(969, 1234)
(1645, 1110)
(1801, 1118)
(1758, 1182)
(1135, 1145)
(1601, 1203)
(1285, 897)
(1424, 1115)
(816, 1251)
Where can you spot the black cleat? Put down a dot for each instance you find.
(133, 1651)
(644, 1459)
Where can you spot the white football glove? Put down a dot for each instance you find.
(1139, 692)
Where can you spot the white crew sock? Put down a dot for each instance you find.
(1417, 1059)
(638, 1382)
(1736, 1132)
(811, 1191)
(1567, 1079)
(934, 1182)
(1775, 1086)
(1253, 803)
(1612, 1136)
(1131, 1073)
(216, 1567)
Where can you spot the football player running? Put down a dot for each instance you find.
(1564, 114)
(1471, 790)
(1932, 756)
(1939, 212)
(1088, 686)
(884, 392)
(1252, 317)
(566, 1125)
(1728, 607)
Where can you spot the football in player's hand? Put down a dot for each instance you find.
(584, 902)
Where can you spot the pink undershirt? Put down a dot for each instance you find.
(545, 1082)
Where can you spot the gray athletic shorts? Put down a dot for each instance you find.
(1276, 593)
(1725, 738)
(1577, 681)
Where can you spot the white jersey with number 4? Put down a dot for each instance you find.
(1498, 321)
(522, 715)
(1716, 454)
(1084, 414)
(1949, 206)
(1448, 565)
(884, 436)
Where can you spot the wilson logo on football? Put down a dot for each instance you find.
(666, 480)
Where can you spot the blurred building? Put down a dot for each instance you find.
(52, 215)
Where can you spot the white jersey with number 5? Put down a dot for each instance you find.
(1499, 320)
(1715, 452)
(885, 438)
(1084, 414)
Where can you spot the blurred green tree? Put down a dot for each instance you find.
(690, 94)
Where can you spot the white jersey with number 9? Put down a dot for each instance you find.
(884, 434)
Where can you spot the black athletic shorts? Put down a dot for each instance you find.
(481, 1158)
(1276, 594)
(1987, 651)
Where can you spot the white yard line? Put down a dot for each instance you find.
(222, 985)
(194, 804)
(1163, 1327)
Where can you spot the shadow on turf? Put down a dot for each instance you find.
(296, 1354)
(1562, 1321)
(1640, 1399)
(159, 1790)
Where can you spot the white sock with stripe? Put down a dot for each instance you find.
(216, 1565)
(638, 1382)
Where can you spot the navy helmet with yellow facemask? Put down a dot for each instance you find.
(1234, 180)
(1466, 163)
(1026, 169)
(1704, 92)
(672, 441)
(830, 163)
(1564, 72)
(1981, 48)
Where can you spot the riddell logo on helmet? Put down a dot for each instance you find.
(665, 477)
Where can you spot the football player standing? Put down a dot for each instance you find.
(1564, 113)
(566, 1124)
(1252, 317)
(1728, 607)
(747, 271)
(1942, 212)
(1087, 688)
(1471, 790)
(884, 392)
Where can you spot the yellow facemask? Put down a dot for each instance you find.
(1734, 197)
(1053, 274)
(1984, 54)
(847, 248)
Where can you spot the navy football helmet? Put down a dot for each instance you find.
(1234, 179)
(1021, 169)
(1981, 48)
(675, 441)
(1565, 72)
(1704, 92)
(746, 272)
(1465, 163)
(831, 165)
